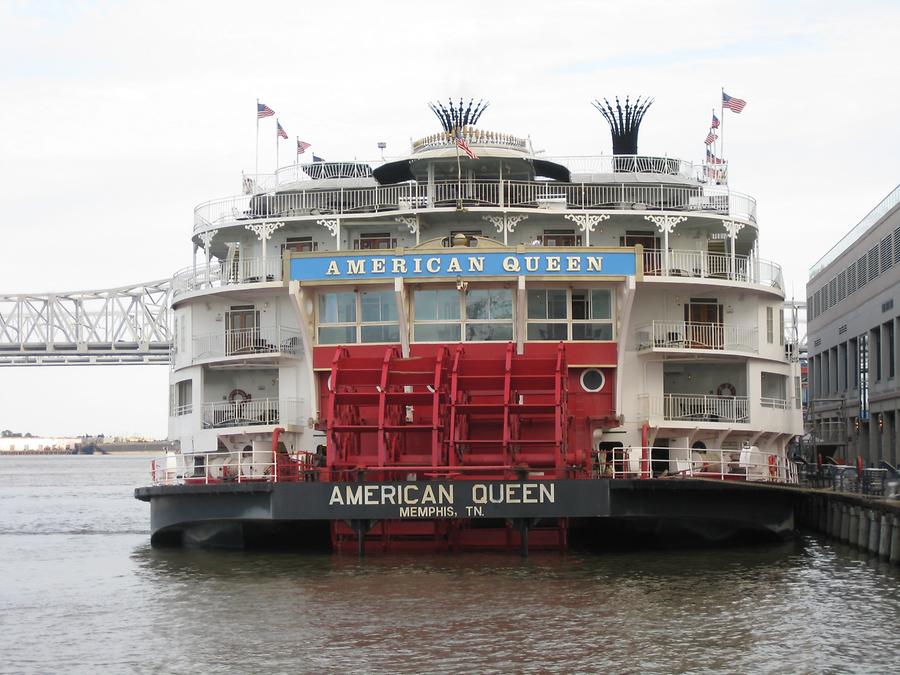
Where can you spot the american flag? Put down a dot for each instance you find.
(711, 158)
(281, 131)
(733, 104)
(710, 138)
(462, 145)
(318, 159)
(262, 110)
(302, 146)
(715, 122)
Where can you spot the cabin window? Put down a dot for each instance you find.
(770, 325)
(378, 310)
(365, 316)
(373, 241)
(488, 314)
(436, 315)
(570, 314)
(560, 238)
(337, 318)
(180, 395)
(299, 245)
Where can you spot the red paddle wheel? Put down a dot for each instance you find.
(480, 415)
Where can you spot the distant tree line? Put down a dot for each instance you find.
(6, 433)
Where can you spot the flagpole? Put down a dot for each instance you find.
(722, 126)
(256, 167)
(277, 137)
(458, 170)
(297, 160)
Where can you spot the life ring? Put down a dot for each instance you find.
(238, 393)
(773, 469)
(726, 387)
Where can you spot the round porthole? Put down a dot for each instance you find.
(592, 380)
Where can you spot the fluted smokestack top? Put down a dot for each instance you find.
(624, 122)
(455, 116)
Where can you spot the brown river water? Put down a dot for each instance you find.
(81, 590)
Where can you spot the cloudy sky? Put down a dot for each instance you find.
(118, 118)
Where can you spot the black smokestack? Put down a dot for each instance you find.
(624, 122)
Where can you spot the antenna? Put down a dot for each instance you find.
(624, 124)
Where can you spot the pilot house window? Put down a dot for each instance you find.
(570, 314)
(366, 316)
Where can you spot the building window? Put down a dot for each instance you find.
(889, 339)
(489, 315)
(371, 241)
(436, 316)
(576, 314)
(876, 349)
(770, 325)
(781, 327)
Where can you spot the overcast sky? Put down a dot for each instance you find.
(118, 118)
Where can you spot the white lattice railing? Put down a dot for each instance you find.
(692, 335)
(778, 403)
(696, 407)
(249, 412)
(215, 275)
(706, 265)
(245, 341)
(515, 194)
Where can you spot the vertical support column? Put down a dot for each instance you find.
(521, 314)
(859, 527)
(874, 531)
(884, 536)
(263, 232)
(206, 238)
(402, 315)
(665, 224)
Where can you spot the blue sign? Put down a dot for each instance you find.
(340, 266)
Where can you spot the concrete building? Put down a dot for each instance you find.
(853, 315)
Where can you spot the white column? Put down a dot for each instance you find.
(206, 238)
(665, 224)
(263, 232)
(587, 222)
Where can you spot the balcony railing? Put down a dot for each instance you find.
(706, 265)
(249, 413)
(246, 341)
(215, 275)
(687, 335)
(498, 194)
(697, 408)
(777, 403)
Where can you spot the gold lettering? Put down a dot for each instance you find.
(354, 496)
(476, 264)
(574, 264)
(553, 263)
(436, 267)
(417, 265)
(595, 263)
(356, 267)
(527, 490)
(454, 265)
(445, 494)
(370, 494)
(332, 268)
(389, 494)
(531, 263)
(511, 496)
(428, 497)
(406, 498)
(511, 264)
(377, 265)
(479, 493)
(398, 266)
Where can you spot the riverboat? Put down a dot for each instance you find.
(479, 347)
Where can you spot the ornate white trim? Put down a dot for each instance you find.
(412, 222)
(207, 237)
(497, 221)
(263, 231)
(587, 221)
(512, 221)
(665, 224)
(330, 224)
(732, 227)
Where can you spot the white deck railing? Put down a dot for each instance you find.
(238, 467)
(696, 407)
(751, 464)
(498, 194)
(215, 275)
(689, 335)
(777, 403)
(252, 412)
(244, 341)
(706, 265)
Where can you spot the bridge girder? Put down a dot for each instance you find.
(113, 326)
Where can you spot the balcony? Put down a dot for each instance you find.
(488, 194)
(689, 336)
(272, 340)
(218, 275)
(706, 265)
(696, 408)
(264, 411)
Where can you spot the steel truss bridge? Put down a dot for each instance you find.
(113, 326)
